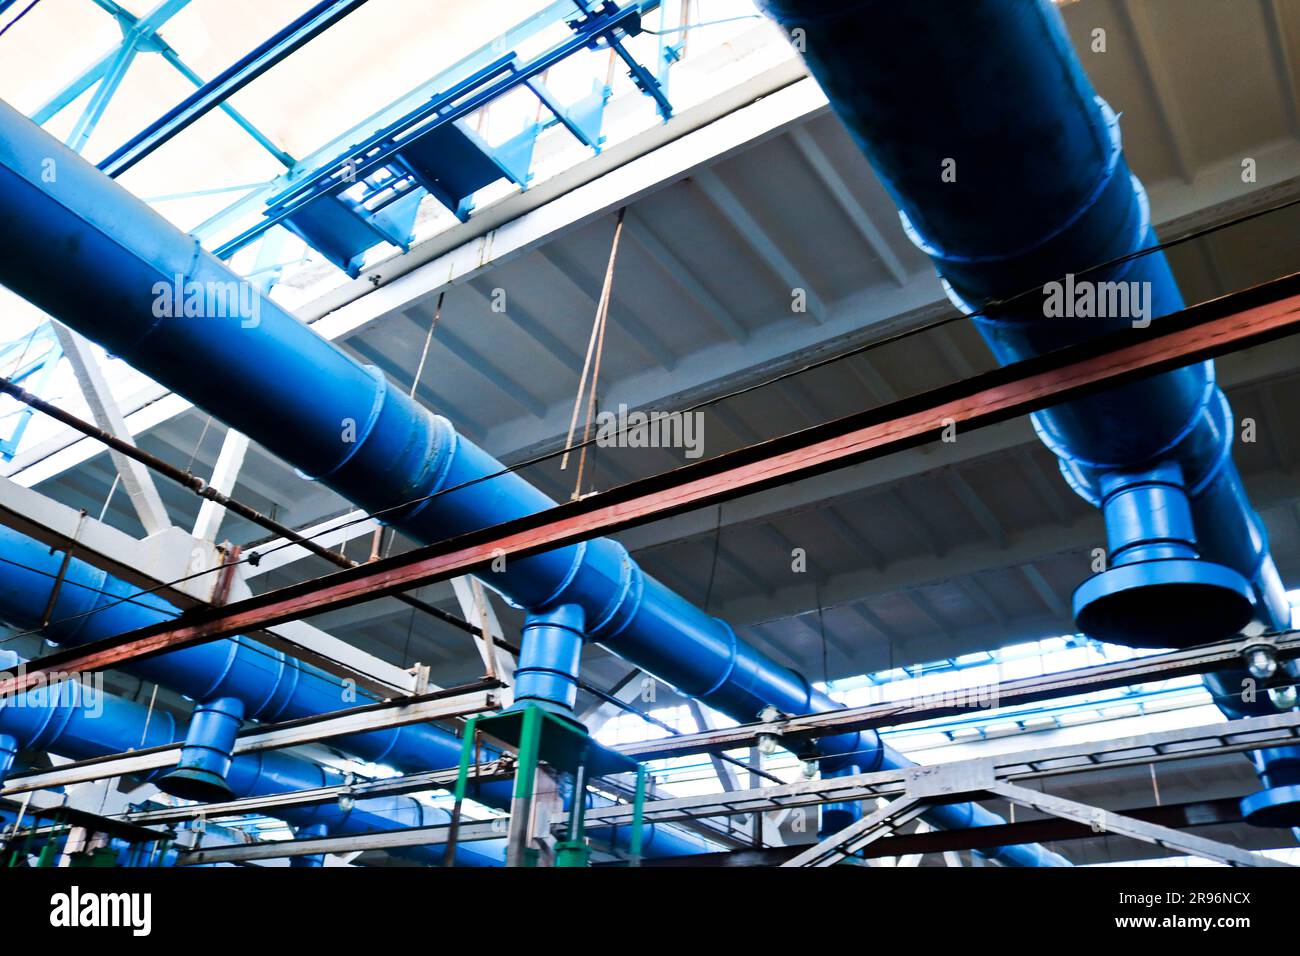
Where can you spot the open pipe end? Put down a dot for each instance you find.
(194, 783)
(1275, 807)
(1164, 603)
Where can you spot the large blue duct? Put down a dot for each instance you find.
(267, 375)
(1008, 172)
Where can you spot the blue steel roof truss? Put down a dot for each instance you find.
(139, 35)
(369, 194)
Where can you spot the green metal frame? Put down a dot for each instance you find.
(538, 736)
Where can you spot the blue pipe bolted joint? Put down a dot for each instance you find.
(206, 754)
(1158, 591)
(550, 653)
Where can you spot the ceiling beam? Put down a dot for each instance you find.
(677, 270)
(740, 219)
(834, 183)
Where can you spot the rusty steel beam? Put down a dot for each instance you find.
(1239, 320)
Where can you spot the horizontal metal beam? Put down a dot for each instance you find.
(989, 772)
(1025, 690)
(1225, 812)
(1250, 317)
(386, 840)
(94, 822)
(1236, 736)
(268, 805)
(791, 731)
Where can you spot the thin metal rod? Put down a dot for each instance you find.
(602, 323)
(428, 341)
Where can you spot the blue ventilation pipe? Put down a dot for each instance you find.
(70, 720)
(230, 677)
(1008, 172)
(267, 375)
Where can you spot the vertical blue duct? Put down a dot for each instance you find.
(267, 375)
(1008, 172)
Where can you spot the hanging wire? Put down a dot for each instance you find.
(821, 629)
(199, 444)
(595, 352)
(713, 563)
(108, 499)
(428, 340)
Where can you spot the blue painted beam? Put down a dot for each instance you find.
(234, 78)
(69, 94)
(137, 35)
(181, 67)
(153, 44)
(104, 92)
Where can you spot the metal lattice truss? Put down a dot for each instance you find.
(909, 792)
